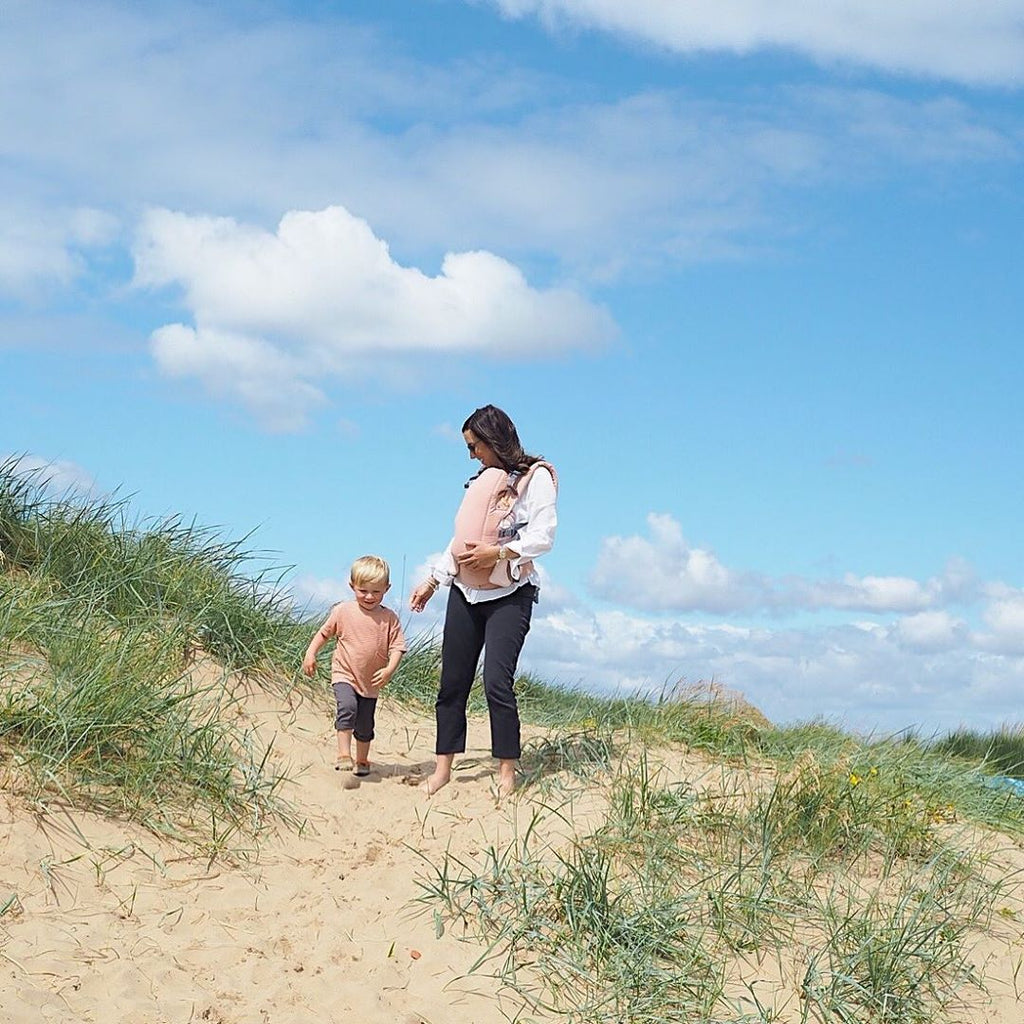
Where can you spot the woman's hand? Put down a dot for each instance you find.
(478, 556)
(421, 595)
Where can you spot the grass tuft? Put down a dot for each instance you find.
(101, 625)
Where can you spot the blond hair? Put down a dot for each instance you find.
(370, 569)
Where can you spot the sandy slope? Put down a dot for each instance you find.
(113, 925)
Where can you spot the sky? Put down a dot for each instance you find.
(748, 274)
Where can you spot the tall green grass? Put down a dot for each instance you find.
(1001, 752)
(162, 573)
(100, 621)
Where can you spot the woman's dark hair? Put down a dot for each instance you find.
(493, 426)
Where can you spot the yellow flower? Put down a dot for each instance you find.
(854, 779)
(874, 771)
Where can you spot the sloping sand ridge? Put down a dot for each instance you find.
(108, 923)
(111, 924)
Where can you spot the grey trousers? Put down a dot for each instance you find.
(354, 711)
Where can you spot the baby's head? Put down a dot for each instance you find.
(370, 580)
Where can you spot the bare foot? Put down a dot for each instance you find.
(506, 785)
(433, 783)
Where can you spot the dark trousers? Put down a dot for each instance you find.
(498, 628)
(354, 711)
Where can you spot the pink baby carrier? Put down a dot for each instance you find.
(484, 517)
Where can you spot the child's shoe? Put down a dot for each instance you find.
(343, 763)
(361, 769)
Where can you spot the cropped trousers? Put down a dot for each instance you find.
(498, 628)
(354, 711)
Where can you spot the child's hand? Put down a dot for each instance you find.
(380, 678)
(309, 665)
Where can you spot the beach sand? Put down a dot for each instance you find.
(112, 924)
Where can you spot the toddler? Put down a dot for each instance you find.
(368, 645)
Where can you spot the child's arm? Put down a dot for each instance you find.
(328, 630)
(320, 637)
(309, 661)
(383, 675)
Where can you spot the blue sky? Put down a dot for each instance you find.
(749, 274)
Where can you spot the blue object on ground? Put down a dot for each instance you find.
(1005, 782)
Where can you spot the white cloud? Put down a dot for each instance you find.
(925, 667)
(233, 366)
(29, 258)
(323, 296)
(931, 631)
(45, 247)
(1005, 618)
(872, 125)
(663, 572)
(981, 41)
(58, 476)
(864, 593)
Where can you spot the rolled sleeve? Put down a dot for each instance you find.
(444, 570)
(538, 509)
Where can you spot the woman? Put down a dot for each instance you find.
(494, 588)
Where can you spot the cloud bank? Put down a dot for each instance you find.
(324, 297)
(663, 572)
(926, 670)
(977, 42)
(930, 653)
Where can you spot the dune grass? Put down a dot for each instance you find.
(1001, 752)
(652, 915)
(100, 622)
(829, 858)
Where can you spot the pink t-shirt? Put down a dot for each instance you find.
(365, 640)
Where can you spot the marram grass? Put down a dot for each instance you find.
(1001, 752)
(643, 917)
(100, 622)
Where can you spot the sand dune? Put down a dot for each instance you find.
(111, 924)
